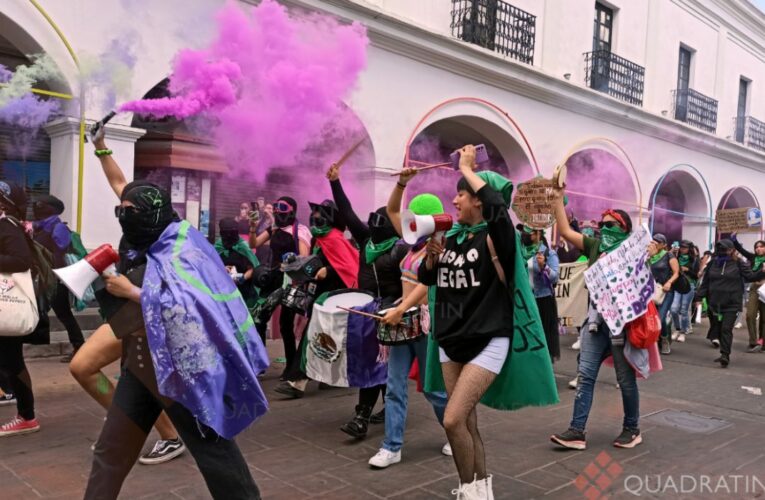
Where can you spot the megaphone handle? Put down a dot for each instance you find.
(110, 271)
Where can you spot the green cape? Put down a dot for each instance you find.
(526, 378)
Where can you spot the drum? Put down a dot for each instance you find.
(299, 298)
(408, 330)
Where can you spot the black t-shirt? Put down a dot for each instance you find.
(15, 255)
(472, 305)
(242, 264)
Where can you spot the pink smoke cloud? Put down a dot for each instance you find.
(271, 81)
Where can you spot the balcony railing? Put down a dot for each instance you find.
(495, 25)
(695, 109)
(616, 76)
(750, 132)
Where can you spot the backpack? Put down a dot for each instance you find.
(644, 331)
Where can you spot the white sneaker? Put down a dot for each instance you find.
(447, 450)
(716, 343)
(576, 345)
(681, 338)
(738, 326)
(675, 335)
(574, 383)
(472, 491)
(385, 458)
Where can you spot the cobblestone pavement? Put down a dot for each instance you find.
(297, 451)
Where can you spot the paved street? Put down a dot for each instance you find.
(296, 451)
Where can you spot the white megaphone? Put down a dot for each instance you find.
(415, 226)
(80, 275)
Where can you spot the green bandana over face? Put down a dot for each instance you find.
(317, 231)
(528, 251)
(462, 230)
(611, 238)
(683, 260)
(758, 261)
(372, 251)
(656, 258)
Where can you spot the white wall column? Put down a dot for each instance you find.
(98, 223)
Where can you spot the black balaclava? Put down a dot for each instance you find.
(47, 206)
(326, 214)
(286, 219)
(380, 226)
(143, 223)
(13, 200)
(229, 232)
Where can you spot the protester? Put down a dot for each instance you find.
(340, 262)
(203, 366)
(598, 342)
(544, 265)
(665, 270)
(239, 261)
(101, 350)
(287, 236)
(15, 257)
(722, 285)
(478, 290)
(754, 307)
(52, 233)
(687, 259)
(402, 357)
(242, 219)
(379, 274)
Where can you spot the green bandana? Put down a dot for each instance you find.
(611, 238)
(758, 261)
(320, 231)
(498, 183)
(462, 231)
(241, 247)
(683, 260)
(373, 251)
(528, 251)
(656, 258)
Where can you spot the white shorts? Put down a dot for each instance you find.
(491, 358)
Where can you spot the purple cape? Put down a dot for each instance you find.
(206, 351)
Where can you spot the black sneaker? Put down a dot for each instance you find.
(287, 389)
(7, 399)
(378, 418)
(629, 438)
(164, 450)
(572, 439)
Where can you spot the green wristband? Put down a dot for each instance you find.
(103, 152)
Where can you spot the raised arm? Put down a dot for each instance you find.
(564, 229)
(113, 172)
(358, 229)
(740, 249)
(394, 200)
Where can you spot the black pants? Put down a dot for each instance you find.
(722, 329)
(15, 370)
(128, 422)
(368, 396)
(63, 310)
(287, 329)
(548, 312)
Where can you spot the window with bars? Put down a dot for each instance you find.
(497, 26)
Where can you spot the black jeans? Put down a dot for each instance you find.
(128, 422)
(722, 329)
(368, 396)
(15, 370)
(60, 305)
(287, 329)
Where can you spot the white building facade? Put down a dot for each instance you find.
(658, 106)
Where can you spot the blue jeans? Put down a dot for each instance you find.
(681, 310)
(400, 362)
(595, 347)
(664, 309)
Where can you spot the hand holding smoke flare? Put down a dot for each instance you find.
(98, 130)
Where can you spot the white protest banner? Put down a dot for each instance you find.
(620, 283)
(571, 295)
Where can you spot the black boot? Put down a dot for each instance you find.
(378, 418)
(357, 427)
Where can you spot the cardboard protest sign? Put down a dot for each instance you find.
(620, 284)
(739, 220)
(571, 295)
(533, 203)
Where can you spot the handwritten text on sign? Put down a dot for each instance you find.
(620, 283)
(739, 220)
(533, 203)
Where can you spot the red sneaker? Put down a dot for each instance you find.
(19, 426)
